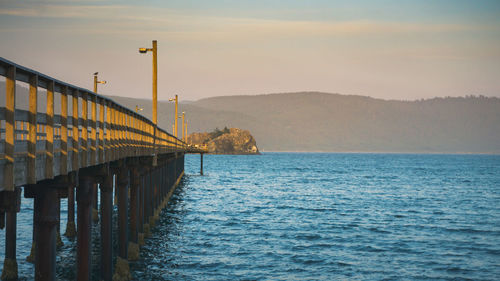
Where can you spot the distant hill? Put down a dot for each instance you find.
(312, 121)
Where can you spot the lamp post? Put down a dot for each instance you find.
(96, 81)
(176, 99)
(155, 92)
(155, 78)
(137, 108)
(183, 127)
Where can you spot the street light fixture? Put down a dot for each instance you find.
(96, 81)
(183, 127)
(176, 99)
(155, 78)
(155, 92)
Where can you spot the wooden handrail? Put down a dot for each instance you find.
(97, 130)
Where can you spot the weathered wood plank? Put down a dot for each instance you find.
(85, 133)
(49, 144)
(75, 134)
(32, 128)
(101, 131)
(63, 165)
(10, 125)
(109, 144)
(93, 131)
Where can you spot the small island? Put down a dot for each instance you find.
(226, 141)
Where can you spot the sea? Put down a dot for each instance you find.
(315, 216)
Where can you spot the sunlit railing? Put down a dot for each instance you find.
(97, 130)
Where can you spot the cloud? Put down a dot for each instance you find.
(130, 20)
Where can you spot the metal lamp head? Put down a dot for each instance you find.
(143, 50)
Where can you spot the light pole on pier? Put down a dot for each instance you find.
(183, 127)
(155, 78)
(137, 108)
(96, 81)
(176, 100)
(155, 92)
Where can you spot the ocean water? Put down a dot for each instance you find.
(318, 216)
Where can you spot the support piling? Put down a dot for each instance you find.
(84, 198)
(70, 226)
(45, 209)
(106, 228)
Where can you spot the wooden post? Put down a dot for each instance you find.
(75, 136)
(201, 164)
(31, 161)
(49, 143)
(93, 131)
(85, 133)
(10, 125)
(101, 132)
(64, 131)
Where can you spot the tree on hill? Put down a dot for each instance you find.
(217, 133)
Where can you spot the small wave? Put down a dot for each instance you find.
(471, 231)
(369, 248)
(308, 237)
(378, 230)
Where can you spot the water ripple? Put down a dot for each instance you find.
(286, 216)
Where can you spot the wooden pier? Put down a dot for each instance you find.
(93, 145)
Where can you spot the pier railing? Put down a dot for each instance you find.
(37, 145)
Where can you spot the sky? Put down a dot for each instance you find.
(402, 50)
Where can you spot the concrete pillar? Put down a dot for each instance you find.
(149, 203)
(158, 193)
(164, 183)
(146, 203)
(84, 199)
(46, 215)
(59, 242)
(140, 218)
(11, 201)
(95, 213)
(122, 212)
(9, 271)
(106, 228)
(70, 226)
(133, 246)
(31, 257)
(122, 270)
(152, 198)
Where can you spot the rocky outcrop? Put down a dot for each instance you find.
(228, 141)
